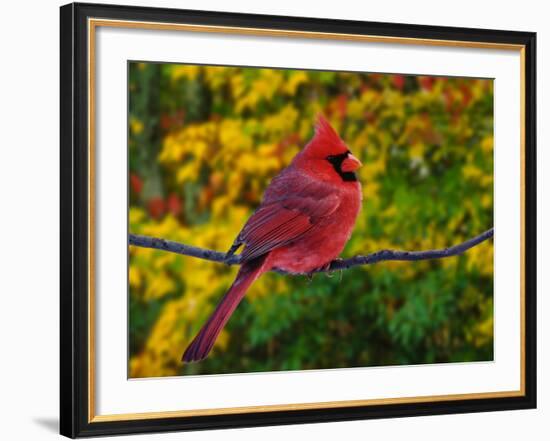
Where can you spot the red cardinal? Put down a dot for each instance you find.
(303, 223)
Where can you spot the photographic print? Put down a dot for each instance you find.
(279, 220)
(283, 172)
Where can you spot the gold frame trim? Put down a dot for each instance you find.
(92, 25)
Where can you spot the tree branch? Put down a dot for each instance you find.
(379, 256)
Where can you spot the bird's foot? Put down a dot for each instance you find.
(330, 273)
(322, 269)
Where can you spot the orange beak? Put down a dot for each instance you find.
(350, 164)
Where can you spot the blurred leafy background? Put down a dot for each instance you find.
(205, 141)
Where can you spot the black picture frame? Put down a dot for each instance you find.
(74, 271)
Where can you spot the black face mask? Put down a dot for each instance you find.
(336, 162)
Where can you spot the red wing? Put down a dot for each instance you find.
(285, 220)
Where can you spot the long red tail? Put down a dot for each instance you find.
(203, 342)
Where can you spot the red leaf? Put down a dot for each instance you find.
(398, 81)
(173, 204)
(136, 183)
(426, 83)
(342, 105)
(156, 207)
(466, 95)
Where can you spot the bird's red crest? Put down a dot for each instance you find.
(325, 142)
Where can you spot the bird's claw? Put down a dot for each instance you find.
(330, 273)
(325, 269)
(341, 271)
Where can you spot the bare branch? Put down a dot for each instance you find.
(379, 256)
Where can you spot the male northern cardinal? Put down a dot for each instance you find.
(303, 223)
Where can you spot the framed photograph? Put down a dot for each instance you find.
(273, 220)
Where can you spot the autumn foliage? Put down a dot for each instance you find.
(204, 142)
